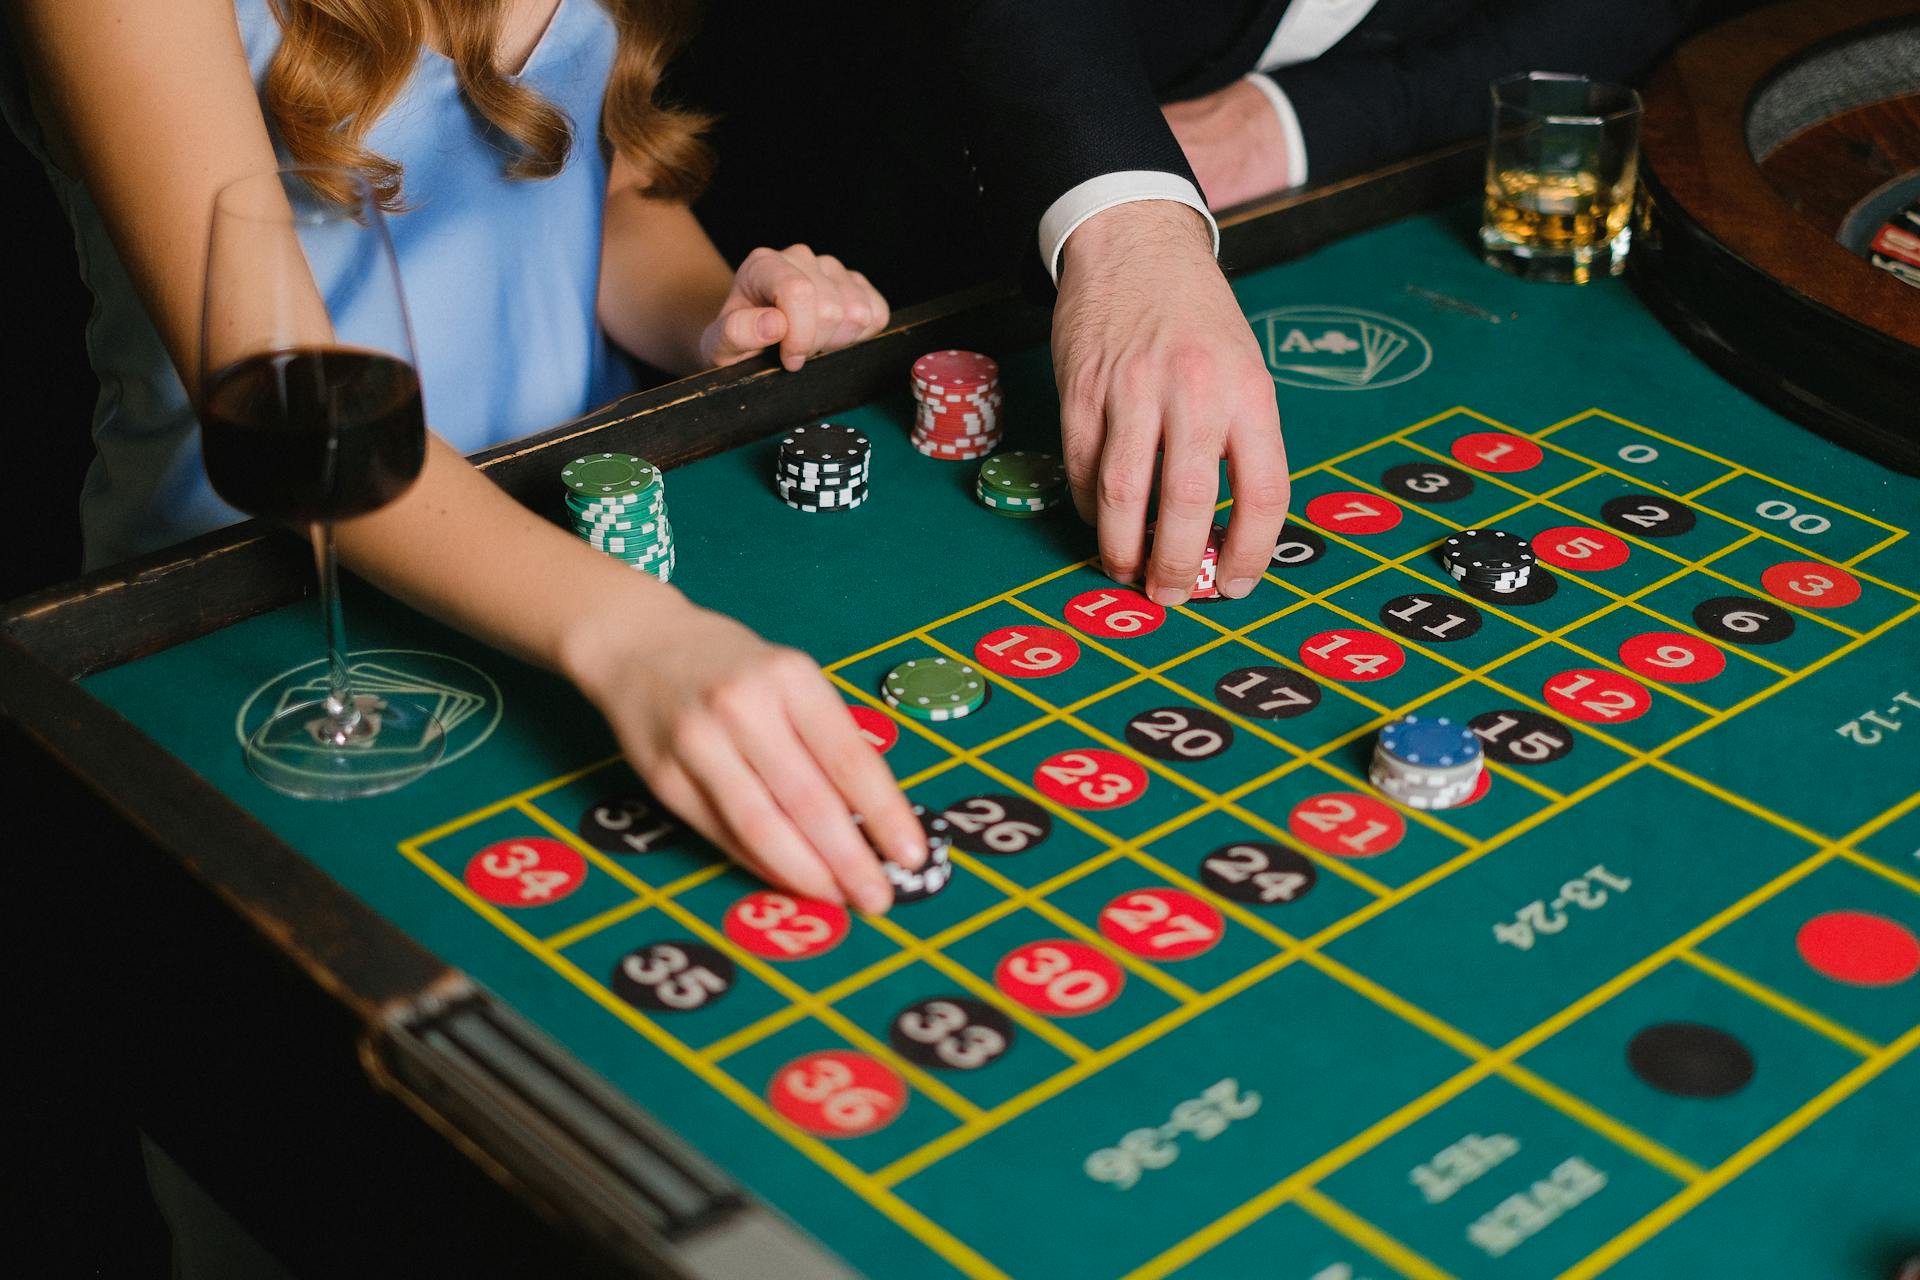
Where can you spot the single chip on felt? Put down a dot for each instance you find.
(1690, 1060)
(934, 688)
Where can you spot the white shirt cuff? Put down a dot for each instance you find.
(1097, 195)
(1289, 126)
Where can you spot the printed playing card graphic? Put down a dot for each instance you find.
(464, 700)
(1340, 348)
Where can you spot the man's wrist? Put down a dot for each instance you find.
(1125, 227)
(1112, 191)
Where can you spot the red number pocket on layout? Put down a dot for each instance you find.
(1859, 948)
(782, 927)
(1162, 924)
(1347, 824)
(1597, 696)
(1497, 451)
(1351, 655)
(1580, 548)
(837, 1093)
(879, 730)
(1060, 978)
(1027, 651)
(1114, 613)
(526, 873)
(1810, 584)
(1351, 511)
(1090, 779)
(1672, 656)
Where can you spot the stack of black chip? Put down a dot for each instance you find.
(1490, 559)
(823, 468)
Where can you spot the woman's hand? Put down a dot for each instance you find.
(750, 744)
(805, 302)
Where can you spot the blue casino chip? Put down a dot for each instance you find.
(1438, 743)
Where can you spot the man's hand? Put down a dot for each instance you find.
(1234, 142)
(1158, 370)
(808, 303)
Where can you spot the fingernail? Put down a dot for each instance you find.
(874, 899)
(1237, 588)
(1166, 597)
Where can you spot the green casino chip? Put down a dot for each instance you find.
(934, 689)
(1023, 474)
(599, 475)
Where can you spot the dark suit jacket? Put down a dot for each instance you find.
(922, 142)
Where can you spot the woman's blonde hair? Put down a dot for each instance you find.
(341, 63)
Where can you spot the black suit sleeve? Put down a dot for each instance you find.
(1051, 93)
(1375, 98)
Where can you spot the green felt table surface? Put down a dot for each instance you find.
(1379, 1019)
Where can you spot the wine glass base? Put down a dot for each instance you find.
(297, 752)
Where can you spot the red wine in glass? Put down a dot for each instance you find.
(310, 412)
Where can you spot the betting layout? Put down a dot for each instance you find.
(1534, 1010)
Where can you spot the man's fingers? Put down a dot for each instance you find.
(767, 739)
(1257, 472)
(1124, 485)
(1189, 487)
(856, 770)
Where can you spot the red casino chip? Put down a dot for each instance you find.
(532, 872)
(1497, 451)
(1580, 548)
(1026, 651)
(1480, 789)
(1059, 977)
(1811, 584)
(1114, 613)
(879, 730)
(1090, 778)
(1859, 948)
(780, 926)
(954, 373)
(1353, 656)
(1597, 695)
(1673, 657)
(1353, 512)
(836, 1093)
(1348, 824)
(1162, 924)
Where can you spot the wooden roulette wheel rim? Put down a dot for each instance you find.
(1735, 252)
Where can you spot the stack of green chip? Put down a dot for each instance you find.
(1021, 483)
(618, 503)
(934, 689)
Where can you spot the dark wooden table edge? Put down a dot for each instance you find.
(104, 619)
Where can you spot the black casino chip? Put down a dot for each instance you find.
(1647, 515)
(1298, 546)
(1265, 875)
(1267, 693)
(951, 1033)
(1743, 620)
(997, 825)
(1540, 585)
(1690, 1060)
(1179, 734)
(1427, 482)
(1430, 617)
(1514, 735)
(675, 976)
(630, 822)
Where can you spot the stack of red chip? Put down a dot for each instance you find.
(1207, 585)
(957, 394)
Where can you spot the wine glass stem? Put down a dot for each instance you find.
(343, 713)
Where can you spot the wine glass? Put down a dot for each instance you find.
(310, 413)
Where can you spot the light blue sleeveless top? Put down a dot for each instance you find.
(500, 278)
